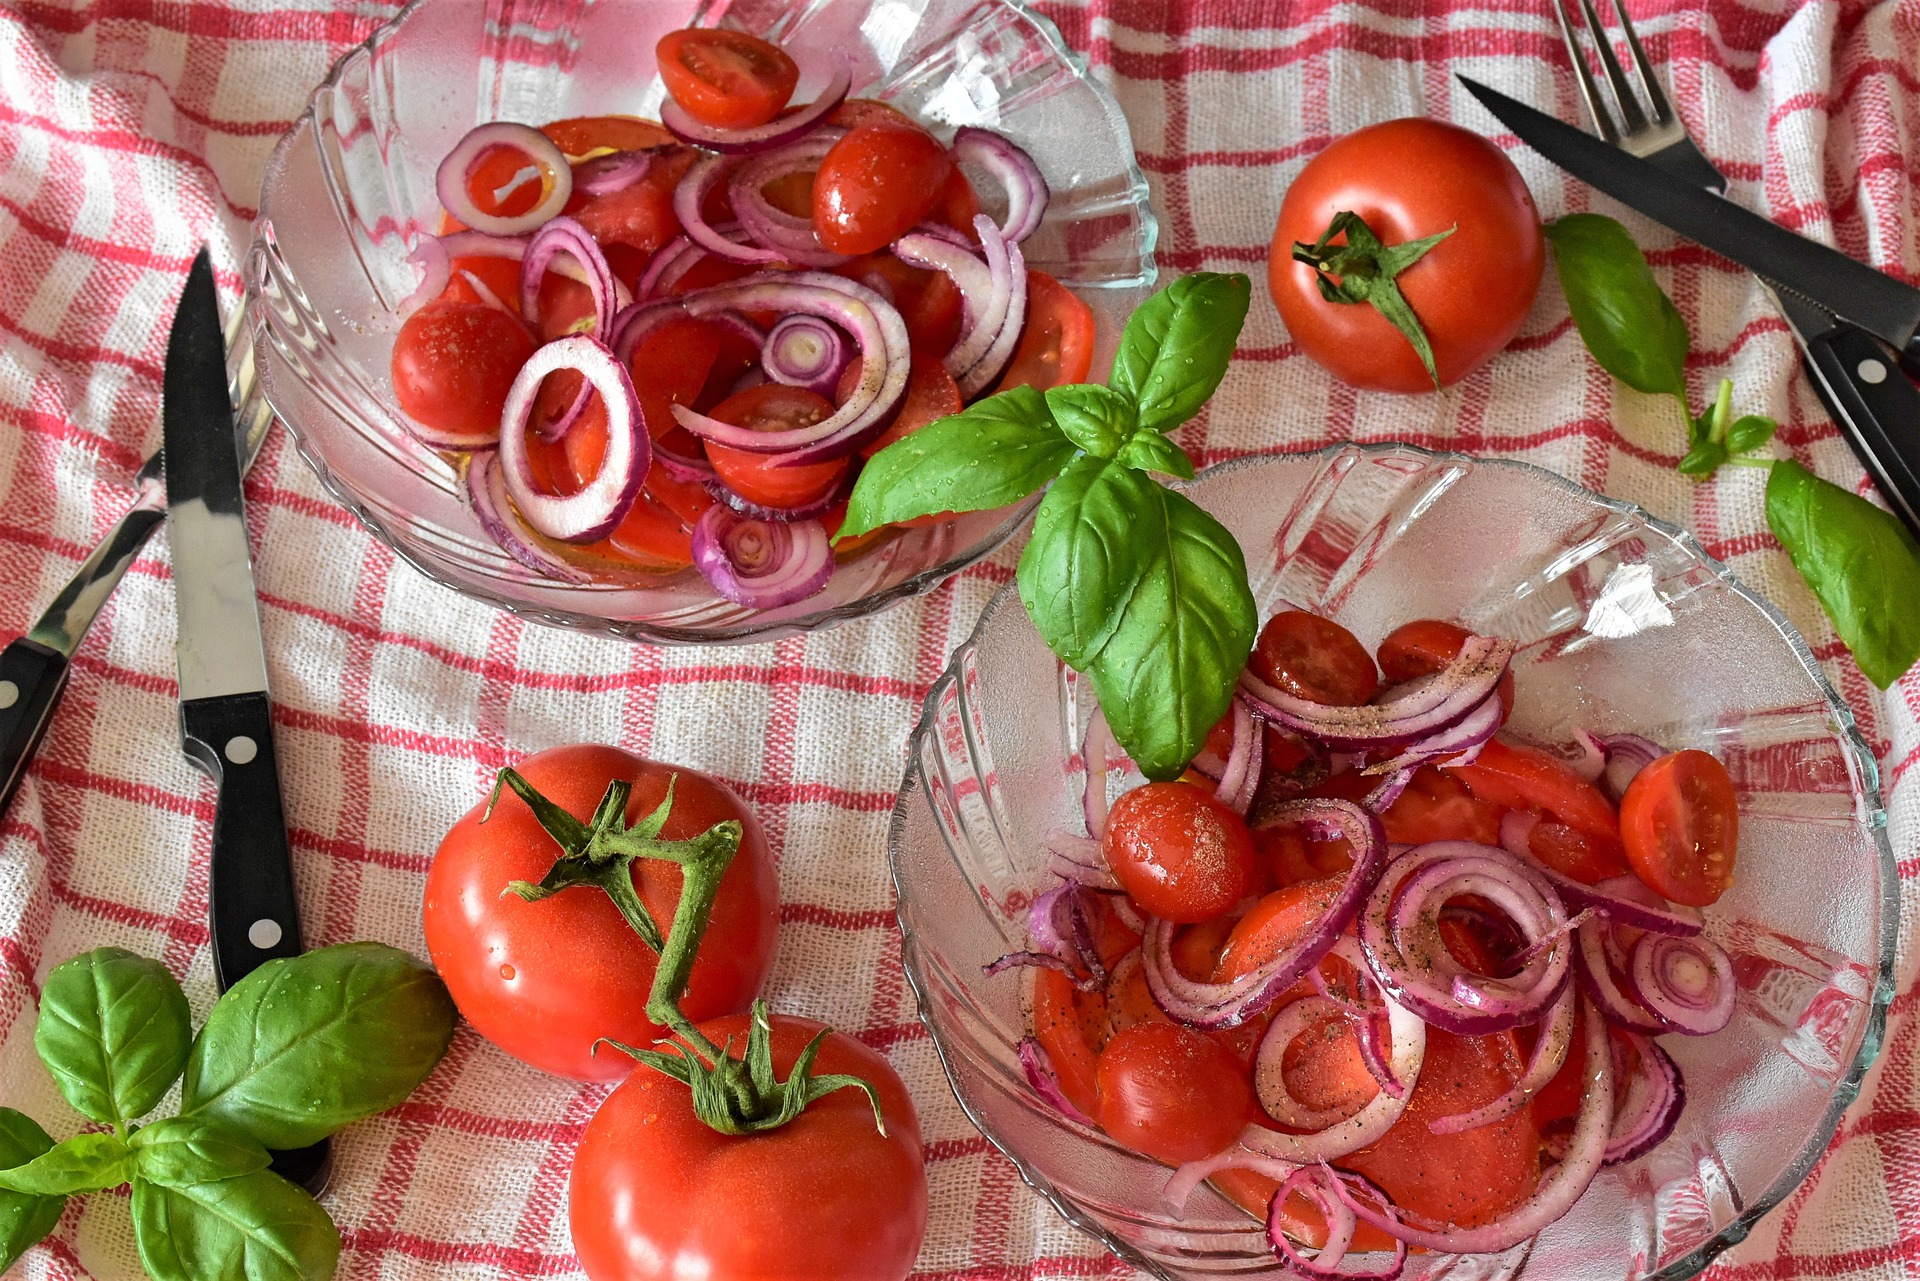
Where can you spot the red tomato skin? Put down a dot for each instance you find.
(1314, 658)
(454, 363)
(726, 78)
(1680, 821)
(544, 980)
(1171, 1093)
(1515, 776)
(656, 1195)
(1427, 645)
(1408, 179)
(875, 184)
(1180, 854)
(577, 135)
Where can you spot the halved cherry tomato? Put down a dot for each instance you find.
(578, 135)
(927, 300)
(726, 78)
(453, 364)
(875, 184)
(1427, 645)
(759, 478)
(1680, 819)
(1314, 658)
(1056, 346)
(1171, 1092)
(1518, 777)
(1181, 854)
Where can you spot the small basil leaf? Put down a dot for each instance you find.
(1624, 317)
(114, 1032)
(184, 1150)
(254, 1227)
(1704, 458)
(1167, 673)
(994, 452)
(25, 1219)
(1176, 346)
(83, 1163)
(1148, 450)
(1093, 417)
(307, 1044)
(1081, 564)
(1749, 433)
(1859, 560)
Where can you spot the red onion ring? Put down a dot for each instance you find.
(1040, 1075)
(487, 495)
(672, 261)
(761, 137)
(1239, 775)
(1461, 742)
(1687, 983)
(1317, 1184)
(564, 236)
(984, 295)
(773, 227)
(762, 564)
(1627, 755)
(1650, 1106)
(1014, 170)
(805, 351)
(688, 198)
(1269, 1078)
(1407, 712)
(436, 273)
(1093, 750)
(1549, 1055)
(1001, 322)
(1369, 1017)
(605, 175)
(488, 297)
(1186, 1178)
(599, 506)
(1079, 859)
(450, 180)
(1625, 900)
(1604, 985)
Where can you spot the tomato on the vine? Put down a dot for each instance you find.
(1680, 819)
(726, 78)
(1180, 854)
(454, 363)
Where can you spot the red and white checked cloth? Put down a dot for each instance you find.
(131, 130)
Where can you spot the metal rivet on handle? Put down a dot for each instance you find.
(240, 749)
(1871, 371)
(9, 694)
(263, 933)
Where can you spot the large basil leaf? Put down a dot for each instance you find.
(1176, 346)
(1859, 560)
(992, 453)
(24, 1219)
(1095, 418)
(114, 1032)
(183, 1150)
(254, 1227)
(1625, 318)
(307, 1044)
(83, 1163)
(1082, 563)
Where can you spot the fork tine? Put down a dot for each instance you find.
(1589, 91)
(1643, 69)
(1633, 118)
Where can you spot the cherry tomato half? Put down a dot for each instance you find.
(1056, 346)
(759, 478)
(1427, 645)
(1680, 820)
(875, 184)
(1171, 1092)
(1314, 658)
(726, 78)
(453, 364)
(1181, 854)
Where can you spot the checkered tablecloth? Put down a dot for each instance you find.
(131, 130)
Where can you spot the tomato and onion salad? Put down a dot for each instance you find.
(745, 299)
(1388, 975)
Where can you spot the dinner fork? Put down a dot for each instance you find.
(33, 669)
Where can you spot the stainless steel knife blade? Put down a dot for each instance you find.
(1852, 290)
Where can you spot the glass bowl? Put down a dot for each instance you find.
(1625, 624)
(353, 180)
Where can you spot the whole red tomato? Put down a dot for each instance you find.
(657, 1194)
(545, 980)
(1409, 179)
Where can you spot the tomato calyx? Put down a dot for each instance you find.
(1365, 268)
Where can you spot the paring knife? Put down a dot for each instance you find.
(226, 722)
(1838, 306)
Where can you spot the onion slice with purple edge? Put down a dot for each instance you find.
(450, 180)
(1239, 776)
(993, 362)
(805, 351)
(672, 261)
(601, 503)
(436, 272)
(783, 129)
(1654, 1097)
(884, 355)
(1559, 1187)
(1688, 983)
(1407, 713)
(773, 227)
(1040, 1075)
(1269, 1079)
(1605, 985)
(985, 290)
(688, 198)
(1316, 1184)
(1180, 1187)
(1627, 755)
(1210, 1006)
(564, 236)
(605, 175)
(487, 495)
(1461, 742)
(1369, 1017)
(1549, 1055)
(1079, 859)
(1014, 170)
(1625, 900)
(760, 511)
(762, 564)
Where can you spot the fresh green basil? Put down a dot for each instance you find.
(1148, 450)
(307, 1044)
(114, 1031)
(994, 452)
(25, 1219)
(253, 1227)
(184, 1150)
(1081, 564)
(1749, 433)
(83, 1163)
(1858, 559)
(1176, 346)
(1095, 418)
(1624, 317)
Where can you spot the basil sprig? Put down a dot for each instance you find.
(295, 1051)
(1126, 580)
(1855, 557)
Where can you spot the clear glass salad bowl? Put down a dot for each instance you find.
(353, 180)
(1625, 624)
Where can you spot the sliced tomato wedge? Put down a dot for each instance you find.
(1071, 1026)
(1056, 347)
(927, 300)
(1518, 777)
(582, 135)
(1435, 807)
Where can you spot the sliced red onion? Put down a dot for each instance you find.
(487, 495)
(1559, 1187)
(450, 182)
(1625, 900)
(1605, 984)
(1186, 1178)
(672, 261)
(604, 175)
(1368, 1015)
(1391, 788)
(1405, 713)
(1461, 742)
(689, 197)
(1239, 775)
(762, 564)
(1014, 170)
(436, 272)
(1688, 983)
(564, 236)
(599, 506)
(556, 431)
(768, 225)
(1591, 762)
(783, 129)
(1081, 860)
(1209, 1006)
(1549, 1054)
(1516, 832)
(1037, 961)
(487, 295)
(1012, 276)
(1126, 913)
(1650, 1106)
(805, 351)
(481, 244)
(683, 467)
(1627, 755)
(1317, 1184)
(984, 292)
(1093, 800)
(1040, 1075)
(1269, 1077)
